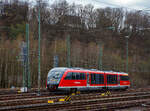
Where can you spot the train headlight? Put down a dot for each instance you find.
(52, 80)
(48, 82)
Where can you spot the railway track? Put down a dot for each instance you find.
(80, 102)
(20, 96)
(94, 104)
(33, 96)
(8, 94)
(4, 92)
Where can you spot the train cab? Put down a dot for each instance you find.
(54, 77)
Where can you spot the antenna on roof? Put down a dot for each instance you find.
(94, 69)
(77, 68)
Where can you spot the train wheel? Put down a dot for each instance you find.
(104, 89)
(124, 89)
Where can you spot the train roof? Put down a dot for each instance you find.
(59, 69)
(77, 68)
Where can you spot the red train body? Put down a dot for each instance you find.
(85, 79)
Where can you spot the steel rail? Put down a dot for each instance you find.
(74, 97)
(106, 106)
(79, 102)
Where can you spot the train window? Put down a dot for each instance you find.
(93, 78)
(124, 78)
(112, 79)
(82, 76)
(97, 79)
(69, 76)
(75, 76)
(101, 78)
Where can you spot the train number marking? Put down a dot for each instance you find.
(77, 82)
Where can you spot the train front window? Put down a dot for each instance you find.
(55, 75)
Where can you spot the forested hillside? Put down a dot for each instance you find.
(87, 26)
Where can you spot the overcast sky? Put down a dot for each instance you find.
(135, 4)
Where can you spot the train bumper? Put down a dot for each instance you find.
(52, 87)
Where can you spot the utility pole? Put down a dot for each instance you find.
(56, 58)
(127, 37)
(100, 66)
(28, 60)
(23, 75)
(24, 61)
(68, 51)
(39, 61)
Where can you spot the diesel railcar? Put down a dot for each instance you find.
(68, 79)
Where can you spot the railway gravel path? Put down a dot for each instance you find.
(85, 101)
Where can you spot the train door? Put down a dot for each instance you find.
(97, 80)
(118, 79)
(88, 79)
(105, 81)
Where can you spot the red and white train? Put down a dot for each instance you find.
(62, 78)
